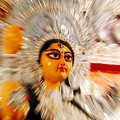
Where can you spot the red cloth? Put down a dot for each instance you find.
(105, 75)
(108, 68)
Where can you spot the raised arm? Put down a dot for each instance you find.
(12, 39)
(14, 103)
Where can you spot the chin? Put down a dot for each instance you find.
(63, 77)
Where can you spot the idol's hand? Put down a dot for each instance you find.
(14, 101)
(12, 39)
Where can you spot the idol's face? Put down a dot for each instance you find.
(56, 62)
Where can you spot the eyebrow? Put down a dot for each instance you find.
(57, 50)
(52, 50)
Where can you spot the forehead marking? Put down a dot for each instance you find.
(60, 45)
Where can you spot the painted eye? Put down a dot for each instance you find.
(54, 55)
(68, 58)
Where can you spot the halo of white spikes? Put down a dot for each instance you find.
(52, 19)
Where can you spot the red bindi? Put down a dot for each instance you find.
(60, 45)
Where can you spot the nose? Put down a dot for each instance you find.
(62, 60)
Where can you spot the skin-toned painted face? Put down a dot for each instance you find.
(56, 62)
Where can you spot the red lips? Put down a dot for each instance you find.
(62, 69)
